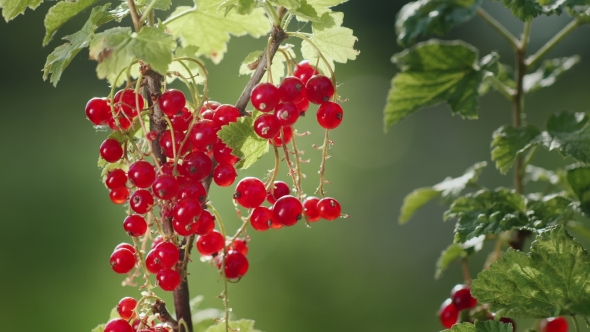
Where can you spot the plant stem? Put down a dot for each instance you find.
(148, 11)
(134, 15)
(465, 268)
(498, 27)
(532, 61)
(501, 87)
(576, 323)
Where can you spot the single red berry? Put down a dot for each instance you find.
(98, 111)
(240, 245)
(141, 201)
(157, 240)
(225, 114)
(250, 192)
(182, 120)
(222, 153)
(152, 135)
(319, 89)
(204, 134)
(280, 189)
(194, 190)
(448, 314)
(260, 218)
(274, 224)
(183, 228)
(210, 244)
(224, 175)
(168, 279)
(123, 125)
(186, 210)
(287, 114)
(129, 102)
(165, 187)
(135, 225)
(126, 246)
(152, 262)
(142, 174)
(206, 223)
(507, 320)
(461, 296)
(236, 264)
(554, 324)
(264, 97)
(210, 105)
(118, 325)
(304, 71)
(172, 102)
(329, 209)
(167, 253)
(287, 210)
(168, 148)
(267, 126)
(111, 150)
(287, 133)
(122, 260)
(302, 106)
(329, 115)
(310, 209)
(119, 196)
(207, 114)
(196, 165)
(116, 179)
(292, 89)
(125, 307)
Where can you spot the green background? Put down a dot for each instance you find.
(364, 273)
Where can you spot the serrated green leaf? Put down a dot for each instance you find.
(548, 73)
(214, 27)
(120, 11)
(306, 12)
(570, 134)
(155, 47)
(289, 4)
(536, 174)
(449, 190)
(336, 44)
(546, 210)
(159, 5)
(479, 326)
(13, 8)
(463, 327)
(60, 14)
(61, 57)
(245, 7)
(449, 255)
(551, 280)
(509, 142)
(434, 72)
(487, 212)
(323, 6)
(246, 144)
(176, 66)
(525, 10)
(242, 325)
(326, 21)
(432, 17)
(278, 69)
(579, 180)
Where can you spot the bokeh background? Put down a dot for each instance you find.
(364, 273)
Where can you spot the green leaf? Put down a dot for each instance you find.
(449, 190)
(503, 74)
(552, 280)
(336, 44)
(176, 66)
(570, 134)
(525, 10)
(289, 4)
(278, 69)
(99, 328)
(432, 17)
(245, 7)
(487, 212)
(537, 174)
(60, 14)
(509, 142)
(306, 12)
(13, 8)
(479, 326)
(242, 325)
(434, 72)
(551, 209)
(154, 46)
(323, 6)
(61, 57)
(327, 21)
(214, 27)
(246, 144)
(548, 73)
(159, 5)
(455, 251)
(579, 180)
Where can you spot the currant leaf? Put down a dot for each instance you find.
(569, 133)
(551, 280)
(449, 190)
(13, 8)
(538, 174)
(250, 63)
(159, 4)
(449, 255)
(578, 178)
(242, 325)
(328, 20)
(214, 27)
(60, 14)
(246, 145)
(485, 326)
(336, 44)
(289, 4)
(509, 142)
(323, 6)
(177, 66)
(548, 73)
(546, 210)
(305, 12)
(432, 17)
(99, 328)
(434, 72)
(525, 10)
(503, 74)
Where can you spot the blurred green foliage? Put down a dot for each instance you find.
(364, 273)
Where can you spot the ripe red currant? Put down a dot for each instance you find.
(141, 201)
(116, 179)
(98, 111)
(171, 102)
(157, 240)
(287, 135)
(461, 297)
(168, 279)
(264, 97)
(240, 245)
(304, 71)
(329, 115)
(329, 208)
(260, 218)
(250, 192)
(128, 101)
(210, 105)
(210, 244)
(182, 120)
(122, 261)
(142, 174)
(267, 126)
(554, 324)
(224, 175)
(448, 314)
(507, 320)
(165, 187)
(126, 246)
(167, 253)
(111, 150)
(204, 134)
(222, 153)
(310, 209)
(152, 262)
(287, 210)
(319, 89)
(186, 210)
(280, 189)
(168, 148)
(236, 264)
(183, 228)
(123, 125)
(206, 223)
(292, 89)
(125, 307)
(118, 325)
(135, 225)
(119, 196)
(196, 165)
(302, 106)
(287, 114)
(194, 190)
(225, 114)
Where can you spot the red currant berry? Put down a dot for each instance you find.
(448, 314)
(310, 209)
(168, 279)
(240, 245)
(157, 240)
(287, 135)
(225, 114)
(142, 174)
(304, 71)
(287, 114)
(287, 210)
(196, 165)
(222, 153)
(210, 244)
(116, 179)
(98, 111)
(168, 148)
(126, 246)
(122, 261)
(319, 89)
(280, 189)
(555, 324)
(302, 106)
(264, 97)
(152, 135)
(141, 201)
(292, 89)
(119, 196)
(183, 228)
(267, 126)
(329, 209)
(171, 102)
(250, 192)
(210, 105)
(193, 190)
(224, 175)
(165, 187)
(206, 223)
(135, 225)
(123, 125)
(507, 320)
(125, 307)
(118, 325)
(182, 120)
(274, 224)
(260, 218)
(462, 299)
(152, 262)
(203, 134)
(111, 150)
(185, 210)
(329, 115)
(207, 115)
(236, 265)
(126, 101)
(167, 253)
